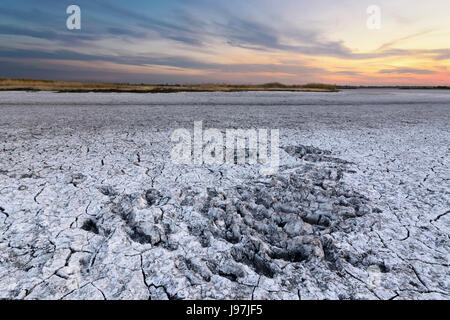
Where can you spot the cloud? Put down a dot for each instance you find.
(166, 61)
(399, 40)
(441, 54)
(347, 73)
(182, 27)
(406, 71)
(186, 28)
(200, 36)
(116, 31)
(63, 37)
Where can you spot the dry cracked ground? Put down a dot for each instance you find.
(91, 206)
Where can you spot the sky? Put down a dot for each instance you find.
(228, 41)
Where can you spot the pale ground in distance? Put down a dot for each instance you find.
(91, 206)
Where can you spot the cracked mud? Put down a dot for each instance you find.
(91, 206)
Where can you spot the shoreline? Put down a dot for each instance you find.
(32, 85)
(84, 87)
(162, 90)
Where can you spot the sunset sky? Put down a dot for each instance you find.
(228, 41)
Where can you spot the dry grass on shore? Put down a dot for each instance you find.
(62, 86)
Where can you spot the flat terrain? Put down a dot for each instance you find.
(91, 206)
(62, 86)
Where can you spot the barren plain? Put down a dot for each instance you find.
(91, 206)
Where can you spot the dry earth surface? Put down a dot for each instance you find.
(91, 206)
